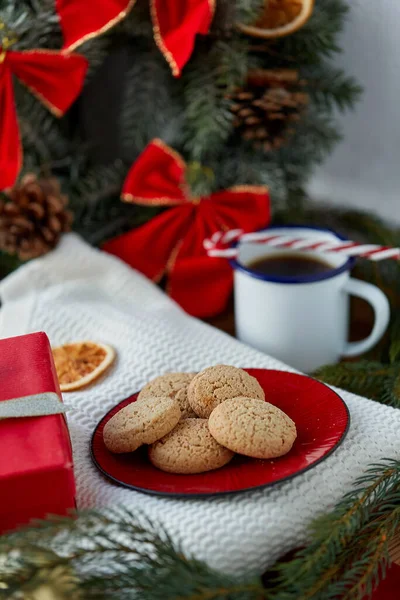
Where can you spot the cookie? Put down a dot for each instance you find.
(166, 385)
(217, 384)
(186, 410)
(189, 448)
(142, 422)
(253, 428)
(173, 385)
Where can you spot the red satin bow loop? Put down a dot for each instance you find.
(171, 244)
(175, 23)
(82, 20)
(56, 80)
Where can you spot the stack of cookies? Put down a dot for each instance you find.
(197, 422)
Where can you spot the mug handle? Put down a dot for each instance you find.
(381, 307)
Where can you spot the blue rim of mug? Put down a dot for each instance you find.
(347, 266)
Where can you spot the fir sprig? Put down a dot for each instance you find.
(349, 549)
(365, 378)
(151, 104)
(247, 11)
(330, 88)
(208, 80)
(119, 553)
(394, 350)
(317, 40)
(99, 213)
(191, 114)
(8, 263)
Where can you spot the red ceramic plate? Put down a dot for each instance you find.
(321, 417)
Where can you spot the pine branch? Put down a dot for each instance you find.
(117, 553)
(394, 351)
(99, 182)
(138, 23)
(208, 80)
(391, 389)
(8, 263)
(19, 16)
(330, 88)
(192, 114)
(313, 139)
(151, 104)
(247, 11)
(358, 225)
(46, 31)
(371, 226)
(99, 212)
(317, 39)
(365, 378)
(44, 137)
(369, 514)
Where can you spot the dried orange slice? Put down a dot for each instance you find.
(80, 363)
(280, 18)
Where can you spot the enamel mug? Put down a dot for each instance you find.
(302, 320)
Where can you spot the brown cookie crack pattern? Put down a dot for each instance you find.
(173, 385)
(252, 428)
(217, 384)
(189, 449)
(142, 422)
(182, 398)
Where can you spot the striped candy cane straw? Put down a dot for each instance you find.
(219, 245)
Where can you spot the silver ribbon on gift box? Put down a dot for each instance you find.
(36, 405)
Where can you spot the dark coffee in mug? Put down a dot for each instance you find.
(289, 265)
(302, 320)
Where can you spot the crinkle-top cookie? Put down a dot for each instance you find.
(142, 422)
(219, 383)
(166, 385)
(173, 385)
(253, 428)
(189, 448)
(182, 398)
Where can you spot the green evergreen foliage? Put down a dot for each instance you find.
(191, 113)
(141, 120)
(394, 351)
(318, 39)
(366, 378)
(121, 554)
(349, 551)
(8, 263)
(330, 88)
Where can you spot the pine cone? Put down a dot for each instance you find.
(33, 216)
(268, 106)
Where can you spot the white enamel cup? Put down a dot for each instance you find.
(302, 320)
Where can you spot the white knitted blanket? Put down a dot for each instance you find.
(77, 293)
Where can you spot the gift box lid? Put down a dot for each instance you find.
(30, 444)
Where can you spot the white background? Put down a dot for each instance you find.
(364, 170)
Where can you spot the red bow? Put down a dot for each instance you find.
(82, 20)
(172, 243)
(175, 22)
(56, 80)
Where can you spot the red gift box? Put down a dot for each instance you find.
(36, 470)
